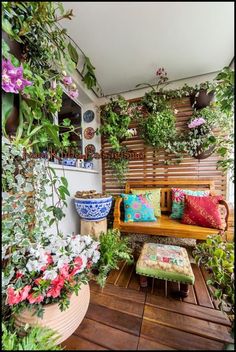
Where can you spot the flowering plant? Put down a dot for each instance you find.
(51, 270)
(12, 78)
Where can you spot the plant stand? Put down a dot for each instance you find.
(93, 228)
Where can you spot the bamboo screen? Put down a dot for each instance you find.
(152, 166)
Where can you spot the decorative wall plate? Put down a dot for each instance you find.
(88, 116)
(89, 133)
(90, 149)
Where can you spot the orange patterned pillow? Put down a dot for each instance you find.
(202, 211)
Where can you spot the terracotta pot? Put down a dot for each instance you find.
(202, 100)
(64, 323)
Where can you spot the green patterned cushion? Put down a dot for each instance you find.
(153, 196)
(178, 197)
(165, 262)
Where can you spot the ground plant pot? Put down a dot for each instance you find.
(93, 209)
(64, 323)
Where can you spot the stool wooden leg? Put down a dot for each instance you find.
(143, 281)
(184, 290)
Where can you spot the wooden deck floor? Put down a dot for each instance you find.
(123, 316)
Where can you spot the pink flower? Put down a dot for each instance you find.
(55, 288)
(49, 261)
(137, 216)
(12, 296)
(73, 93)
(64, 272)
(196, 122)
(78, 264)
(12, 77)
(67, 80)
(33, 298)
(19, 275)
(25, 292)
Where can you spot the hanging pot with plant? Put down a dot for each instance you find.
(203, 96)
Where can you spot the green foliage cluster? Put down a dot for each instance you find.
(115, 122)
(113, 249)
(217, 256)
(34, 339)
(120, 167)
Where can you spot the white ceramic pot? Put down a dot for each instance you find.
(64, 323)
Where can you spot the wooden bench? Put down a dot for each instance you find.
(165, 226)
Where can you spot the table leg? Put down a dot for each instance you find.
(184, 290)
(143, 281)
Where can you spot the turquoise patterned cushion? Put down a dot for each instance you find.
(137, 208)
(178, 200)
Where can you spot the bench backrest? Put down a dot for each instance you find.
(166, 185)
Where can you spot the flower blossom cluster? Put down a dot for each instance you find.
(68, 82)
(162, 74)
(50, 269)
(12, 78)
(196, 122)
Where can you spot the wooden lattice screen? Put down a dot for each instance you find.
(152, 167)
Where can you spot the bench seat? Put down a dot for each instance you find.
(165, 226)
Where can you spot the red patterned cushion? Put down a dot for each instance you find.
(202, 211)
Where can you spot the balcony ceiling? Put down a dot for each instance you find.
(128, 41)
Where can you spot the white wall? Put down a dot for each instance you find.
(83, 180)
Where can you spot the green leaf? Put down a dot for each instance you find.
(73, 53)
(64, 181)
(7, 27)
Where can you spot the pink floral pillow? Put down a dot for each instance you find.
(178, 198)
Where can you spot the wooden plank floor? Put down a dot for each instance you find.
(123, 316)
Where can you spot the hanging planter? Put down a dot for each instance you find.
(204, 154)
(201, 99)
(63, 322)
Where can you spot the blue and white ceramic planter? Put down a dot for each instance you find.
(95, 209)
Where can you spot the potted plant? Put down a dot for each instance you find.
(51, 280)
(203, 95)
(92, 206)
(217, 256)
(113, 249)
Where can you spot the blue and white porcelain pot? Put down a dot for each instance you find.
(94, 209)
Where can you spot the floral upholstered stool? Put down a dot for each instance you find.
(165, 262)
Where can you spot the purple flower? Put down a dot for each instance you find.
(73, 93)
(196, 122)
(67, 80)
(12, 78)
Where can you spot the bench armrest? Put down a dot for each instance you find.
(116, 223)
(223, 202)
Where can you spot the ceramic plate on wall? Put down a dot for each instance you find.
(90, 149)
(89, 133)
(88, 116)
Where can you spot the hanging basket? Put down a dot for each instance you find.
(204, 154)
(202, 100)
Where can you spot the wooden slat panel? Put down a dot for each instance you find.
(107, 336)
(115, 319)
(180, 340)
(77, 343)
(193, 325)
(147, 345)
(201, 290)
(188, 309)
(153, 165)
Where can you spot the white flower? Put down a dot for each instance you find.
(176, 111)
(33, 265)
(50, 274)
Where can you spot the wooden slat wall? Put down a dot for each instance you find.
(152, 167)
